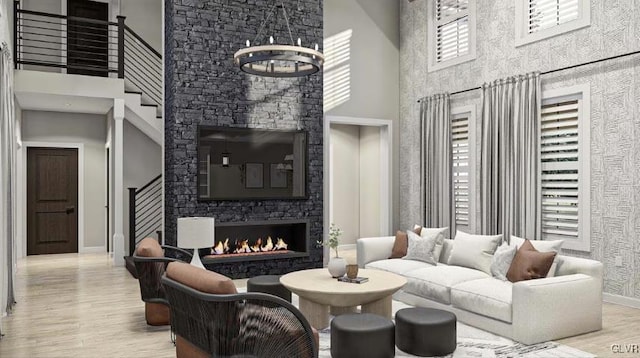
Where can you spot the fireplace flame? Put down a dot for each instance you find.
(258, 246)
(280, 244)
(269, 245)
(243, 246)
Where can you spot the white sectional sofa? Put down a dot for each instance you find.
(532, 311)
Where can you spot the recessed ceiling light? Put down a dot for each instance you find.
(68, 104)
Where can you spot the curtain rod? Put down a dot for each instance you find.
(557, 70)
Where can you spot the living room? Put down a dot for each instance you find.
(406, 86)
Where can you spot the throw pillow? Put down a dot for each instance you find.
(440, 234)
(542, 246)
(149, 247)
(399, 249)
(474, 251)
(420, 248)
(529, 263)
(502, 261)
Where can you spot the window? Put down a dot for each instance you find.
(461, 124)
(564, 155)
(451, 32)
(540, 19)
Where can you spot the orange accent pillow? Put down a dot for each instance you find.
(401, 244)
(529, 263)
(149, 247)
(199, 279)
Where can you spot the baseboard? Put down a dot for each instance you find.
(621, 300)
(93, 250)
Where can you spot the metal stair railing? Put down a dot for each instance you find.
(145, 212)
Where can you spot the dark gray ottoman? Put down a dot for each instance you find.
(268, 284)
(426, 332)
(363, 335)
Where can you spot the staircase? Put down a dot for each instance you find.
(104, 51)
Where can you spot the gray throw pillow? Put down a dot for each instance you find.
(502, 261)
(420, 249)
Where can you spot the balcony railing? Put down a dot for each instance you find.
(51, 42)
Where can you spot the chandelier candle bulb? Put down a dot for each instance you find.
(271, 40)
(300, 43)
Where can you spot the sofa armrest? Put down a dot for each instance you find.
(556, 307)
(371, 249)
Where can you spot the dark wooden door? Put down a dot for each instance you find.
(52, 201)
(88, 41)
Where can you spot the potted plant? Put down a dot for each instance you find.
(337, 265)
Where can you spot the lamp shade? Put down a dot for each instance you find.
(195, 233)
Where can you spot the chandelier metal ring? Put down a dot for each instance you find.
(279, 60)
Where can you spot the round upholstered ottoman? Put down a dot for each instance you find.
(363, 335)
(268, 284)
(426, 332)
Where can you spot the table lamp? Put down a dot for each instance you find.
(196, 233)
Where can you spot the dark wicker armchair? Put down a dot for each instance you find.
(237, 325)
(150, 267)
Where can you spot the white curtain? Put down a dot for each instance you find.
(510, 157)
(437, 163)
(7, 181)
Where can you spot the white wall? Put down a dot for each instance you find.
(145, 18)
(142, 162)
(355, 181)
(371, 66)
(345, 182)
(369, 181)
(89, 129)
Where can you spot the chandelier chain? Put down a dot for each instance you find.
(286, 19)
(265, 22)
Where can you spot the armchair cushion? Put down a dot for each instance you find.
(199, 279)
(149, 247)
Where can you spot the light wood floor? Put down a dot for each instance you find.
(81, 306)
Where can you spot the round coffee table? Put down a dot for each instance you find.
(319, 292)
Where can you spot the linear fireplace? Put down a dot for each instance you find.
(258, 240)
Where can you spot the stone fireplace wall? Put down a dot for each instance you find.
(202, 86)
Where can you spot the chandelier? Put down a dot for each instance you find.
(275, 60)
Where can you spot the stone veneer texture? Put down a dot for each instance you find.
(615, 111)
(202, 86)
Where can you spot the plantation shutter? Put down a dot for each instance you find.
(460, 150)
(559, 177)
(544, 14)
(452, 29)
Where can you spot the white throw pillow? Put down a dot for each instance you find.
(474, 251)
(439, 234)
(502, 261)
(542, 246)
(419, 248)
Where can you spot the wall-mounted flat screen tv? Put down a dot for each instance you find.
(249, 163)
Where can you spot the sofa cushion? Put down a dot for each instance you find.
(401, 243)
(199, 279)
(540, 245)
(489, 297)
(502, 261)
(420, 248)
(474, 251)
(397, 266)
(529, 263)
(445, 255)
(435, 282)
(440, 234)
(149, 247)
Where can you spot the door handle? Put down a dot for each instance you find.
(70, 209)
